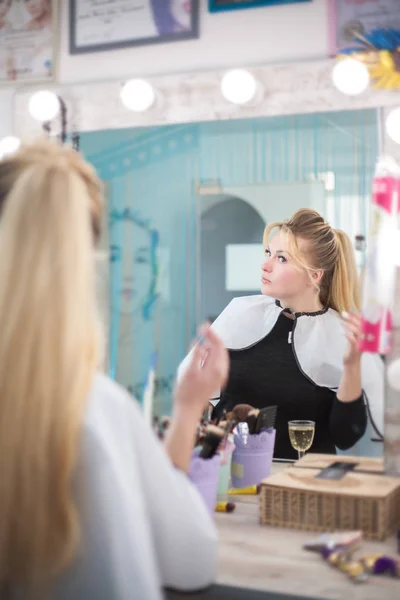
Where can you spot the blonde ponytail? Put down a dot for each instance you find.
(344, 291)
(49, 347)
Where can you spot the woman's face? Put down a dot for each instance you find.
(181, 11)
(4, 7)
(279, 278)
(136, 267)
(37, 8)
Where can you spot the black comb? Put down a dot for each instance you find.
(266, 419)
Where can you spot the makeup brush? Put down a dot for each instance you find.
(228, 428)
(207, 413)
(212, 440)
(225, 507)
(241, 411)
(201, 432)
(266, 419)
(165, 423)
(222, 417)
(251, 420)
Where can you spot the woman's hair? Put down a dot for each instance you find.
(50, 214)
(327, 249)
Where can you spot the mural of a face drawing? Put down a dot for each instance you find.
(137, 292)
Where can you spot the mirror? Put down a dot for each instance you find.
(187, 206)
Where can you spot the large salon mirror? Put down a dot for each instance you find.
(187, 205)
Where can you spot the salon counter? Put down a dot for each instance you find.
(255, 557)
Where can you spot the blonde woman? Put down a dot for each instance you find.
(296, 345)
(91, 505)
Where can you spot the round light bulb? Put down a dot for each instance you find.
(396, 247)
(138, 95)
(393, 125)
(239, 86)
(350, 76)
(393, 375)
(44, 106)
(9, 145)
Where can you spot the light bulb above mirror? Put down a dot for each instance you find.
(350, 76)
(9, 145)
(393, 125)
(239, 86)
(138, 95)
(44, 106)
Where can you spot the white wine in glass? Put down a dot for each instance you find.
(301, 435)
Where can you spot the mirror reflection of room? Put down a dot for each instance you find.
(175, 264)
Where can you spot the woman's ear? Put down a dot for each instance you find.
(317, 275)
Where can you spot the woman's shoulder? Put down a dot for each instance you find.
(327, 328)
(246, 320)
(110, 407)
(245, 310)
(333, 319)
(251, 303)
(106, 390)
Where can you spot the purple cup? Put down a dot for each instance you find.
(252, 458)
(204, 474)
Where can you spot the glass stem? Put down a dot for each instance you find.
(301, 453)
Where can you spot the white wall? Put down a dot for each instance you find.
(245, 37)
(291, 197)
(276, 34)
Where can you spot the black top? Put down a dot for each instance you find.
(267, 374)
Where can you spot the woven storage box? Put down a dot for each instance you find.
(295, 499)
(320, 461)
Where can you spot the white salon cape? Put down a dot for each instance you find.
(144, 526)
(318, 343)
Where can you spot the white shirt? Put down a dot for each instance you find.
(144, 526)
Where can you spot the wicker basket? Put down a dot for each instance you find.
(295, 499)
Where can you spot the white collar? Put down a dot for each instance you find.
(318, 342)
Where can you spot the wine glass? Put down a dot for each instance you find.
(301, 435)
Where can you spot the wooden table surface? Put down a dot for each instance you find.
(272, 559)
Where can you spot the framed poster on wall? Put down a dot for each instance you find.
(224, 5)
(27, 40)
(351, 18)
(99, 26)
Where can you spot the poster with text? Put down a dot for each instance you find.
(111, 24)
(26, 40)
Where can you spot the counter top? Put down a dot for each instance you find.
(270, 559)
